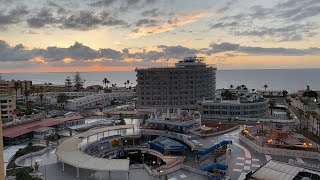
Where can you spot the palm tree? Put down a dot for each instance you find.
(284, 93)
(26, 94)
(62, 98)
(29, 106)
(265, 87)
(231, 86)
(272, 104)
(106, 82)
(125, 84)
(253, 90)
(33, 89)
(128, 82)
(16, 87)
(41, 96)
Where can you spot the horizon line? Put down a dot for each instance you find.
(133, 70)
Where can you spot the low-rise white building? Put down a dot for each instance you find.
(51, 97)
(44, 132)
(239, 104)
(95, 100)
(270, 93)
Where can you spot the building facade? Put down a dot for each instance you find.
(246, 105)
(7, 87)
(180, 86)
(7, 107)
(49, 88)
(96, 100)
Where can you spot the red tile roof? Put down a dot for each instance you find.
(18, 130)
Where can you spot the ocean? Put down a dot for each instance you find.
(276, 79)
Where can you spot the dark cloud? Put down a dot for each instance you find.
(100, 3)
(294, 32)
(16, 53)
(178, 51)
(222, 47)
(229, 47)
(224, 25)
(53, 4)
(82, 54)
(228, 5)
(143, 22)
(13, 16)
(111, 54)
(81, 20)
(42, 18)
(152, 13)
(291, 20)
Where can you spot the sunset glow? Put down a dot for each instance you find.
(53, 36)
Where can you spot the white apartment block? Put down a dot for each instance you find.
(95, 100)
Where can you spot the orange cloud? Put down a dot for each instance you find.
(131, 60)
(68, 60)
(38, 59)
(99, 60)
(178, 20)
(95, 68)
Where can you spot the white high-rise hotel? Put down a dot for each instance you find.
(176, 87)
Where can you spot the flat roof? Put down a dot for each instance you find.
(43, 129)
(279, 170)
(172, 123)
(24, 128)
(69, 153)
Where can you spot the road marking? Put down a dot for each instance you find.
(246, 151)
(173, 178)
(255, 159)
(246, 167)
(241, 158)
(268, 157)
(300, 160)
(240, 164)
(54, 151)
(242, 176)
(248, 162)
(195, 141)
(235, 133)
(183, 176)
(255, 165)
(237, 170)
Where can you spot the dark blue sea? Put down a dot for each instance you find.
(276, 79)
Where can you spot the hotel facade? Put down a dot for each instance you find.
(177, 87)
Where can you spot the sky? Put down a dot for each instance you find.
(121, 35)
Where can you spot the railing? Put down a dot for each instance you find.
(17, 161)
(172, 163)
(218, 133)
(306, 165)
(279, 151)
(197, 171)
